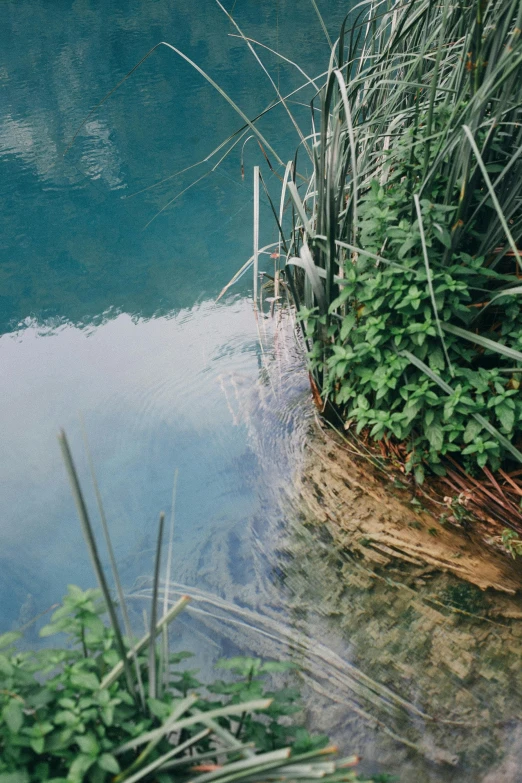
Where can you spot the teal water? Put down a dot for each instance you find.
(105, 315)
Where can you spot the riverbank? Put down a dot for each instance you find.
(386, 521)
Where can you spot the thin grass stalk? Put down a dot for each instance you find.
(164, 667)
(95, 558)
(430, 284)
(114, 568)
(117, 670)
(245, 764)
(178, 710)
(153, 682)
(256, 232)
(158, 764)
(493, 195)
(171, 727)
(209, 754)
(274, 86)
(434, 83)
(234, 744)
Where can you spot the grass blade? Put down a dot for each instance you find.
(219, 712)
(485, 342)
(256, 232)
(179, 709)
(95, 557)
(430, 284)
(112, 559)
(154, 611)
(165, 635)
(113, 675)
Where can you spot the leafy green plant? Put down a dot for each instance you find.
(103, 706)
(512, 542)
(403, 242)
(59, 723)
(272, 733)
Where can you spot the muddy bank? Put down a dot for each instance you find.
(383, 522)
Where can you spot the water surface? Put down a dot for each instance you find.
(105, 313)
(107, 309)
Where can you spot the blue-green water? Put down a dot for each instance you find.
(106, 314)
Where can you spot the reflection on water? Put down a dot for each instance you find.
(414, 669)
(101, 316)
(151, 396)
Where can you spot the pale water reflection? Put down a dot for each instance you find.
(101, 316)
(153, 394)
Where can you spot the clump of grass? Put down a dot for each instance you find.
(408, 230)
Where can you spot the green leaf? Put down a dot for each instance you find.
(85, 680)
(88, 744)
(435, 435)
(13, 715)
(6, 667)
(362, 402)
(66, 717)
(429, 416)
(159, 708)
(6, 639)
(50, 629)
(108, 763)
(95, 625)
(506, 415)
(107, 715)
(436, 359)
(37, 744)
(348, 324)
(79, 767)
(20, 776)
(472, 430)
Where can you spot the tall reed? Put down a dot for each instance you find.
(408, 229)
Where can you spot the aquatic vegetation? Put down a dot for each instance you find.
(407, 231)
(66, 715)
(103, 706)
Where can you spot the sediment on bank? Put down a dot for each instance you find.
(386, 521)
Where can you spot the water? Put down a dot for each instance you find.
(106, 314)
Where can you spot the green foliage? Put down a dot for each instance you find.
(81, 712)
(511, 541)
(388, 311)
(417, 193)
(58, 723)
(271, 733)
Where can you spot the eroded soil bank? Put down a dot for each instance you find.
(383, 521)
